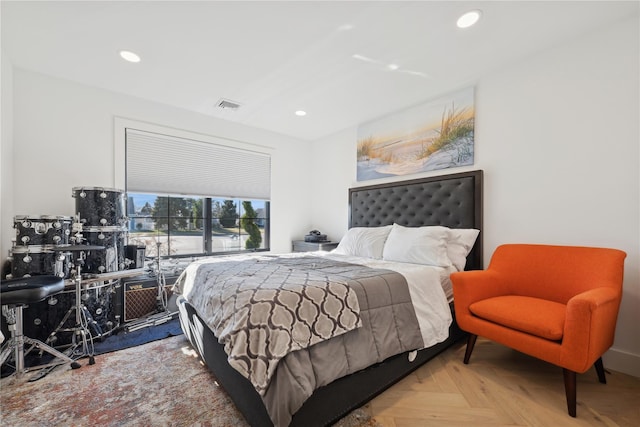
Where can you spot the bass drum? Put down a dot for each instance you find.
(42, 319)
(32, 260)
(100, 207)
(42, 230)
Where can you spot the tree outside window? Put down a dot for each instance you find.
(228, 214)
(249, 225)
(183, 225)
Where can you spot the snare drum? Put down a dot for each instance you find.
(35, 260)
(100, 207)
(42, 230)
(112, 257)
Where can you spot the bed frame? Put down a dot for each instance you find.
(452, 200)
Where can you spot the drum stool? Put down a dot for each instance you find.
(15, 294)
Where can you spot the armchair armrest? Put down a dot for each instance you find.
(472, 286)
(589, 327)
(476, 285)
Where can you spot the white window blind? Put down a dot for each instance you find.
(167, 164)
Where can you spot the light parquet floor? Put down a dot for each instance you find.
(502, 387)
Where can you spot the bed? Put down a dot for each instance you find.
(453, 201)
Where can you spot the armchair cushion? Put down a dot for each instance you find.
(534, 316)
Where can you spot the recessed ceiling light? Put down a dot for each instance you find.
(393, 67)
(468, 19)
(129, 56)
(301, 113)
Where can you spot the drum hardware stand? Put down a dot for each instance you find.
(163, 315)
(15, 323)
(161, 298)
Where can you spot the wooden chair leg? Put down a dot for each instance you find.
(570, 390)
(600, 370)
(471, 342)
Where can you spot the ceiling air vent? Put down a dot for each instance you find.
(227, 104)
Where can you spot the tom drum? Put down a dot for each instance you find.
(42, 230)
(100, 207)
(112, 257)
(36, 260)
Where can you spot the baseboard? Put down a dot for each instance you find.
(621, 361)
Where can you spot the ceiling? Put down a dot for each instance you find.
(328, 58)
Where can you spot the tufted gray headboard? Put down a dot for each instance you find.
(454, 201)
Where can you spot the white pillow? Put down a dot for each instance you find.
(461, 241)
(367, 242)
(418, 245)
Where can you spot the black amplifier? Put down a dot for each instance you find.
(140, 297)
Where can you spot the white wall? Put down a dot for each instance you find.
(63, 137)
(6, 158)
(557, 136)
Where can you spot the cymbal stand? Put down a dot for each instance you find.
(81, 337)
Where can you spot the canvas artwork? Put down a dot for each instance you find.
(435, 135)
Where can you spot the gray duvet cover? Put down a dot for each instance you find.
(385, 322)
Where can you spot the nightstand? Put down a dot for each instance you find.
(302, 246)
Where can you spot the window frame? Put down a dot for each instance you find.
(120, 126)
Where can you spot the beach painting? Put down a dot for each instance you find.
(438, 134)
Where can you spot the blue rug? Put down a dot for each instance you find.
(124, 339)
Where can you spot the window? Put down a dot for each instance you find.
(179, 226)
(161, 169)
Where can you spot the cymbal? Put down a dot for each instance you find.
(76, 248)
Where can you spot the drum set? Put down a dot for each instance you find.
(88, 251)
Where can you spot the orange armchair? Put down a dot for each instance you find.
(556, 303)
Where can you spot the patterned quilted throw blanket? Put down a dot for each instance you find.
(262, 308)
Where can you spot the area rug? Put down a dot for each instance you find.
(161, 383)
(121, 340)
